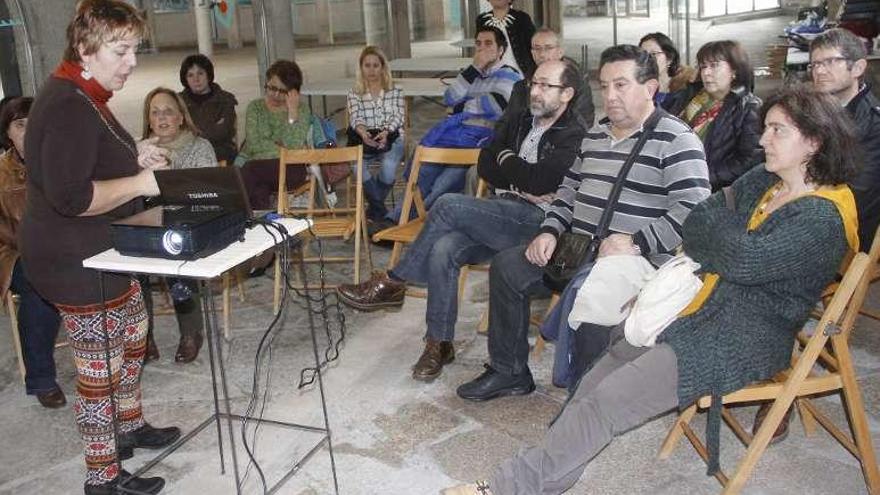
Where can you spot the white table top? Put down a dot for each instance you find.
(796, 56)
(432, 65)
(416, 86)
(256, 240)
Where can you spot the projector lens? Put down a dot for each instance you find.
(172, 241)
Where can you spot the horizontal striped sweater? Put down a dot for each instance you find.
(483, 96)
(668, 178)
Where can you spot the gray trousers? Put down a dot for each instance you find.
(626, 388)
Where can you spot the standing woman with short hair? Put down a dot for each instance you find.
(84, 172)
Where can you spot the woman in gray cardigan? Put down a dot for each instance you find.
(766, 263)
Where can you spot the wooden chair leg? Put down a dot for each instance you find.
(676, 431)
(276, 291)
(16, 337)
(462, 279)
(366, 241)
(483, 326)
(808, 421)
(395, 254)
(239, 280)
(855, 408)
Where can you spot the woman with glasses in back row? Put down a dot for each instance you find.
(723, 111)
(277, 119)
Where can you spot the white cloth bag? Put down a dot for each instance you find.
(612, 283)
(665, 294)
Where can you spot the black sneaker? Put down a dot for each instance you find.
(152, 485)
(492, 384)
(147, 437)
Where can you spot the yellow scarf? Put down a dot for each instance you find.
(840, 195)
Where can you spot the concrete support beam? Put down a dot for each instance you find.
(233, 34)
(202, 14)
(273, 26)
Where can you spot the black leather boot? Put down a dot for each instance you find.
(146, 485)
(147, 437)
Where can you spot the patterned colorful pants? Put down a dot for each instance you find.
(94, 405)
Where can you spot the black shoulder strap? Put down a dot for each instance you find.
(608, 212)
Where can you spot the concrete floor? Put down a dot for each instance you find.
(391, 434)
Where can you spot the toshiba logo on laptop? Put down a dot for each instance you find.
(202, 195)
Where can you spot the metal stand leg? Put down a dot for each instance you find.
(214, 336)
(302, 272)
(211, 343)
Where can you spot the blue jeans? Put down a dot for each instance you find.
(38, 323)
(462, 230)
(390, 160)
(434, 181)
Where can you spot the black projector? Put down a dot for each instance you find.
(180, 232)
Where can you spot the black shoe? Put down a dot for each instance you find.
(147, 437)
(492, 384)
(145, 485)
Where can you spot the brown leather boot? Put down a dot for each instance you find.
(381, 291)
(52, 399)
(781, 430)
(430, 364)
(188, 348)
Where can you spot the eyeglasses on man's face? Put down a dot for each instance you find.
(544, 48)
(543, 86)
(825, 63)
(275, 89)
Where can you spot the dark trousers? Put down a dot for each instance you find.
(188, 311)
(260, 178)
(38, 323)
(513, 281)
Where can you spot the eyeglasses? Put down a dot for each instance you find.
(544, 48)
(657, 53)
(713, 65)
(825, 63)
(276, 89)
(543, 86)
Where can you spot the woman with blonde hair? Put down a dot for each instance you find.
(375, 115)
(167, 120)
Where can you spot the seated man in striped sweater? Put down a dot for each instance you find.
(668, 178)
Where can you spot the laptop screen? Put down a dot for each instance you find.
(203, 186)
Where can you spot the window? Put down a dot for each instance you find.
(171, 6)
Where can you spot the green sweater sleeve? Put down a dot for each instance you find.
(265, 131)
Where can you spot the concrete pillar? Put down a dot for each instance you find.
(400, 29)
(233, 33)
(377, 24)
(273, 27)
(325, 22)
(42, 39)
(9, 74)
(202, 14)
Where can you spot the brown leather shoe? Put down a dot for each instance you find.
(188, 348)
(781, 430)
(430, 364)
(377, 293)
(52, 399)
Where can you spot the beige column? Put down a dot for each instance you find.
(202, 14)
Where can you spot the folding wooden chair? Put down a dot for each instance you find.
(327, 221)
(407, 230)
(799, 383)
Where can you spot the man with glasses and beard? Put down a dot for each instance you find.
(525, 163)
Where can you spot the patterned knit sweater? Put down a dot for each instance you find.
(770, 278)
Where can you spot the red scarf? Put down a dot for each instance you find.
(72, 71)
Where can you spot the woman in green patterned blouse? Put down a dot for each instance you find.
(278, 119)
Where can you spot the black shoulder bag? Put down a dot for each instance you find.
(575, 250)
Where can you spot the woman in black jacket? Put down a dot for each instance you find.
(518, 27)
(722, 110)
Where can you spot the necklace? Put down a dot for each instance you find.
(124, 143)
